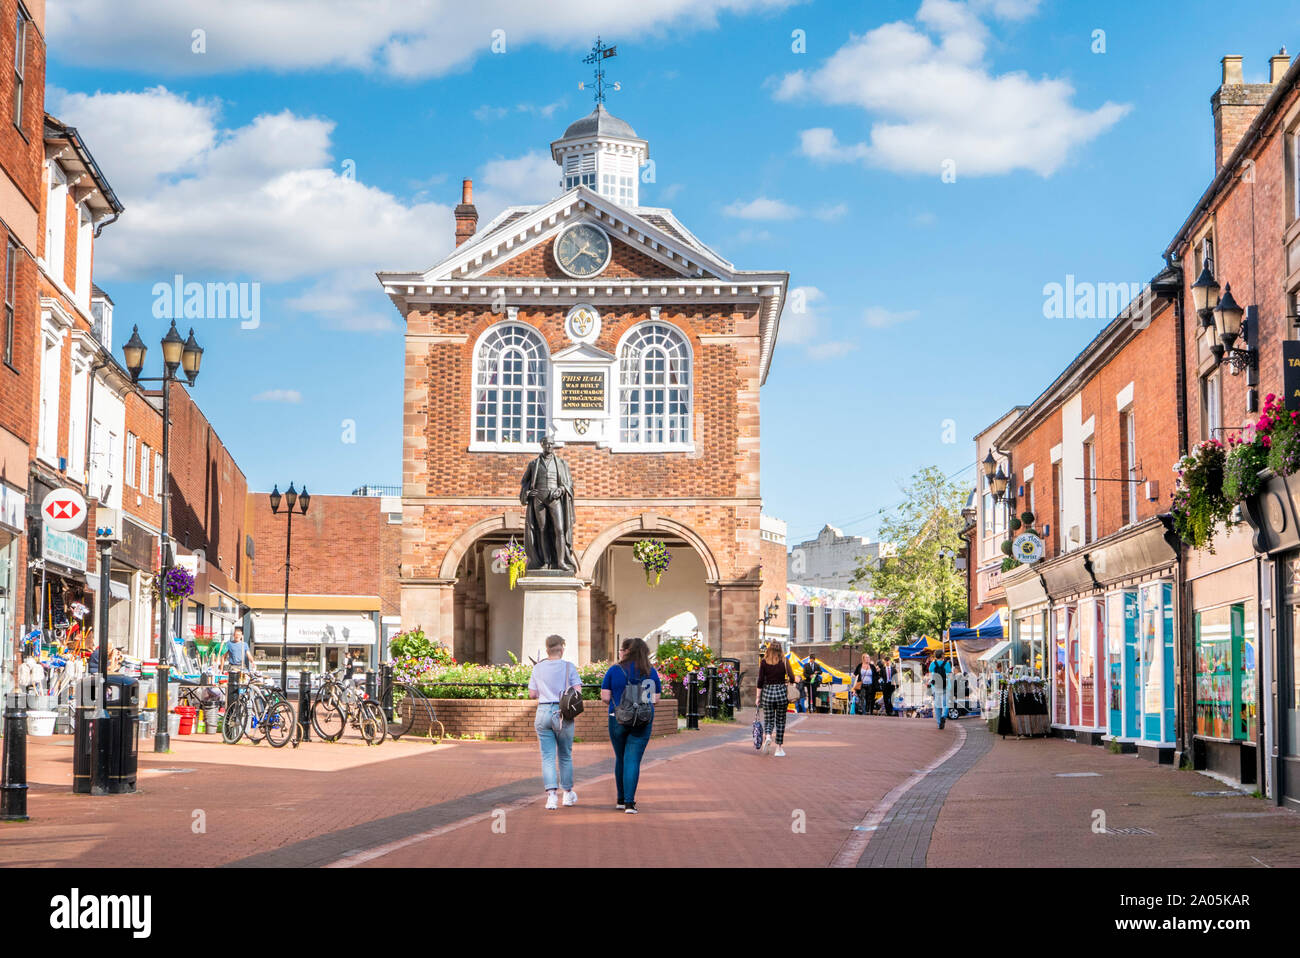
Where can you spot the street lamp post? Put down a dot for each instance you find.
(291, 498)
(184, 354)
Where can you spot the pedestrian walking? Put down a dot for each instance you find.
(238, 654)
(864, 682)
(629, 733)
(773, 674)
(812, 678)
(885, 671)
(939, 689)
(552, 677)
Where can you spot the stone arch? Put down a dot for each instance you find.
(646, 523)
(460, 545)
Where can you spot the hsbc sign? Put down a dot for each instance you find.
(64, 509)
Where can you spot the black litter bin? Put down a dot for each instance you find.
(105, 750)
(122, 698)
(84, 745)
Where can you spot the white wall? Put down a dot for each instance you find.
(1072, 487)
(642, 609)
(110, 413)
(505, 613)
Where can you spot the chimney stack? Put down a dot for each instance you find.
(1236, 103)
(1277, 67)
(466, 213)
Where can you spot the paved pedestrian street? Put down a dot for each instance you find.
(851, 792)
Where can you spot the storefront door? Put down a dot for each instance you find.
(1288, 704)
(1156, 648)
(1131, 671)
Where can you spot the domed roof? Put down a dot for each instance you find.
(602, 123)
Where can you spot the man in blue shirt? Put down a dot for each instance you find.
(939, 688)
(238, 654)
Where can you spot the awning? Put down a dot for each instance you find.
(990, 628)
(118, 590)
(996, 651)
(305, 628)
(920, 648)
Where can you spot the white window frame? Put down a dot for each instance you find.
(510, 342)
(632, 371)
(157, 477)
(144, 468)
(132, 443)
(1213, 404)
(56, 209)
(85, 230)
(47, 439)
(23, 19)
(1090, 458)
(78, 397)
(1130, 441)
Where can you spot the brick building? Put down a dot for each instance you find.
(22, 156)
(610, 327)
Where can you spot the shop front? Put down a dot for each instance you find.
(318, 642)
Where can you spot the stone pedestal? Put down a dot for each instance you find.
(550, 608)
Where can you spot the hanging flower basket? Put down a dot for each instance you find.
(178, 584)
(515, 558)
(653, 556)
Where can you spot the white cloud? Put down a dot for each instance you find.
(396, 37)
(279, 395)
(804, 325)
(830, 349)
(877, 317)
(764, 208)
(268, 201)
(935, 98)
(486, 113)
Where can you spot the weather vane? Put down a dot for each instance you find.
(598, 55)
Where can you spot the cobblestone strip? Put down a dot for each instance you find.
(897, 832)
(355, 845)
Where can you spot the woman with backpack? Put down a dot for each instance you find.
(774, 673)
(939, 688)
(552, 678)
(631, 687)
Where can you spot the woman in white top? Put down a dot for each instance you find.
(552, 677)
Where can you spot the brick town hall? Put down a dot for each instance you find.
(640, 351)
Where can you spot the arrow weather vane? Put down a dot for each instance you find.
(598, 55)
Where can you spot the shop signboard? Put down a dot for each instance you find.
(138, 545)
(64, 548)
(1291, 373)
(64, 509)
(1028, 548)
(12, 513)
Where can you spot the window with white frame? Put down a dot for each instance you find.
(144, 468)
(47, 439)
(157, 476)
(56, 205)
(77, 418)
(1090, 464)
(82, 288)
(130, 458)
(510, 392)
(654, 395)
(1128, 448)
(20, 63)
(1211, 405)
(11, 267)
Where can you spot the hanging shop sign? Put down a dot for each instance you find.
(1291, 373)
(64, 548)
(1028, 548)
(64, 509)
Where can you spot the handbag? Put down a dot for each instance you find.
(571, 705)
(791, 686)
(758, 730)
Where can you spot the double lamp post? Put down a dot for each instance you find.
(184, 354)
(302, 500)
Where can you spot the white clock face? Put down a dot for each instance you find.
(582, 250)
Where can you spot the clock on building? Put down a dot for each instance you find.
(582, 250)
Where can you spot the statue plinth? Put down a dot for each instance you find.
(550, 608)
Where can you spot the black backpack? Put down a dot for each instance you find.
(632, 710)
(571, 704)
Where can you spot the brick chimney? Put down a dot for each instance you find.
(1236, 103)
(466, 213)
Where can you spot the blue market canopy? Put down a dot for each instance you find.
(990, 628)
(920, 648)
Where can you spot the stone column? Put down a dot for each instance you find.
(459, 647)
(584, 625)
(428, 603)
(480, 632)
(550, 607)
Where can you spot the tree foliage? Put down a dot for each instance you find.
(916, 575)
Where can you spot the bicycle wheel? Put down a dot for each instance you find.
(280, 725)
(255, 726)
(371, 723)
(328, 721)
(232, 726)
(331, 693)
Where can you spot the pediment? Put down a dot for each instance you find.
(582, 352)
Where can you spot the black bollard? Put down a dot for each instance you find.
(372, 688)
(388, 692)
(692, 702)
(13, 783)
(712, 708)
(304, 705)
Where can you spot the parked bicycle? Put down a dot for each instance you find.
(340, 702)
(261, 710)
(412, 710)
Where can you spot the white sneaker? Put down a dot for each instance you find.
(767, 745)
(780, 752)
(570, 797)
(551, 803)
(630, 810)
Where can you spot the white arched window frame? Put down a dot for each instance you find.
(510, 387)
(655, 396)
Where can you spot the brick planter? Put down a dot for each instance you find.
(513, 719)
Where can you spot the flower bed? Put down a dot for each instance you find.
(513, 719)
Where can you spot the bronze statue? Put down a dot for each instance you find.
(547, 492)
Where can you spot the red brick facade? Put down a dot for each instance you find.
(337, 547)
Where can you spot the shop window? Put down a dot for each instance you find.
(1225, 673)
(11, 267)
(1060, 627)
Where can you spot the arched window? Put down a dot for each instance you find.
(654, 395)
(510, 385)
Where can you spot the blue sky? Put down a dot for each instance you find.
(304, 153)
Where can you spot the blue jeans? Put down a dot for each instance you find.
(940, 710)
(629, 746)
(553, 743)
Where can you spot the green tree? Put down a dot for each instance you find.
(916, 574)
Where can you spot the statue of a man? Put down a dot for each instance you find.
(547, 492)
